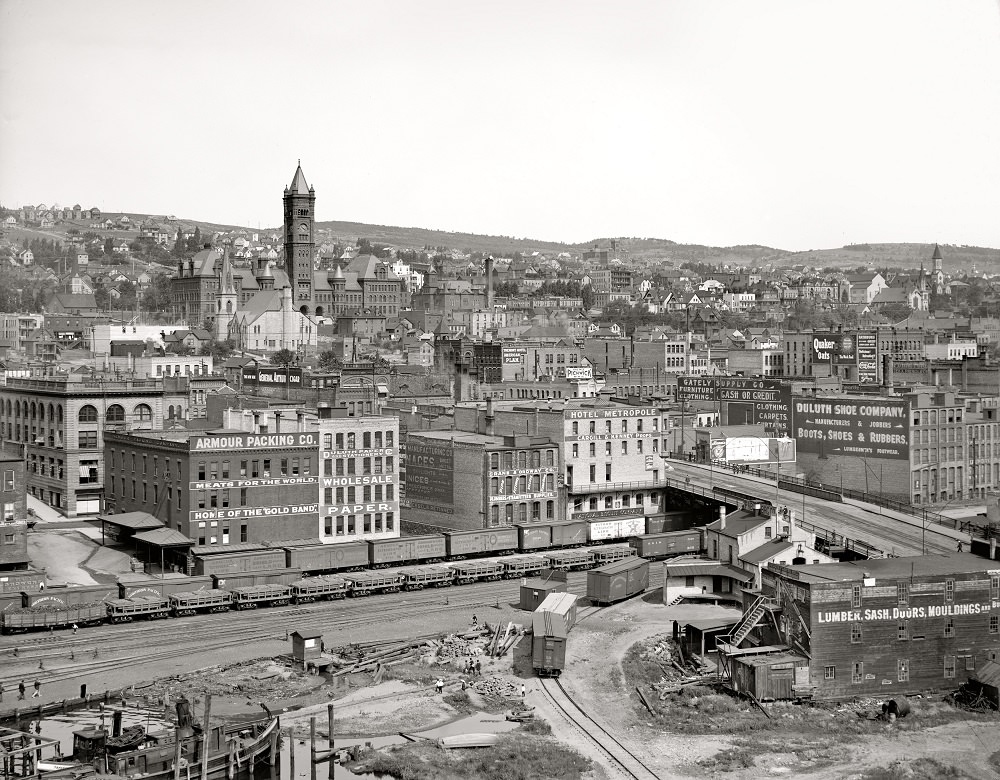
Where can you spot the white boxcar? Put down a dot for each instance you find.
(617, 529)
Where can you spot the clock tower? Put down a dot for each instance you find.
(300, 214)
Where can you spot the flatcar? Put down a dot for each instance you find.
(193, 602)
(316, 588)
(145, 607)
(253, 596)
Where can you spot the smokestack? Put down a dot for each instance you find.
(277, 421)
(489, 283)
(300, 420)
(887, 377)
(490, 418)
(722, 518)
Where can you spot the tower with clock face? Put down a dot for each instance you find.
(300, 213)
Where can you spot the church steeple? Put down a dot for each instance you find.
(227, 299)
(300, 214)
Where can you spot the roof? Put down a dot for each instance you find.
(240, 547)
(705, 569)
(988, 673)
(937, 253)
(164, 537)
(299, 184)
(767, 551)
(772, 659)
(738, 523)
(892, 568)
(137, 521)
(713, 624)
(626, 564)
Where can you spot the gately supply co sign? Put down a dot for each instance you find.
(873, 428)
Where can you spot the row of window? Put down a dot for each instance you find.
(654, 475)
(368, 493)
(593, 504)
(522, 484)
(624, 448)
(349, 467)
(368, 439)
(522, 459)
(903, 592)
(213, 533)
(950, 662)
(348, 525)
(508, 514)
(903, 630)
(255, 469)
(624, 428)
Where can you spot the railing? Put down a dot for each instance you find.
(614, 487)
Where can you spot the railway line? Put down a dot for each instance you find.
(620, 759)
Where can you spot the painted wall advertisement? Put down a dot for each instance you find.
(867, 350)
(254, 441)
(879, 428)
(578, 373)
(514, 355)
(429, 474)
(748, 401)
(837, 348)
(758, 449)
(273, 376)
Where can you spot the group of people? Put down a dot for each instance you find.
(473, 667)
(22, 689)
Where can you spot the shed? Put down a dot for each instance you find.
(698, 636)
(121, 528)
(158, 542)
(534, 591)
(986, 681)
(770, 676)
(306, 646)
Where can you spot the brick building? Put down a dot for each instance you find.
(360, 483)
(13, 514)
(467, 480)
(61, 422)
(218, 487)
(885, 627)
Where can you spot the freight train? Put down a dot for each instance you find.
(268, 577)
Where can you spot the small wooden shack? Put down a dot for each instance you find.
(770, 676)
(306, 646)
(986, 681)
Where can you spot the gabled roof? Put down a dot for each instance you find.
(767, 551)
(163, 537)
(738, 523)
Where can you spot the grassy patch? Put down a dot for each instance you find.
(459, 700)
(918, 769)
(538, 727)
(521, 758)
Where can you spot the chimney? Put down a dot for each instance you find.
(277, 421)
(489, 283)
(256, 422)
(490, 418)
(722, 518)
(887, 377)
(993, 548)
(300, 420)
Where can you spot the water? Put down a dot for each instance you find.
(61, 727)
(478, 723)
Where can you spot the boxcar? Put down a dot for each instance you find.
(666, 545)
(238, 562)
(669, 521)
(608, 530)
(569, 533)
(492, 541)
(19, 620)
(563, 606)
(406, 549)
(618, 581)
(313, 588)
(182, 604)
(345, 556)
(365, 582)
(251, 579)
(534, 537)
(535, 591)
(10, 602)
(156, 587)
(148, 607)
(57, 598)
(550, 627)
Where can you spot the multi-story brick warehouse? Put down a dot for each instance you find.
(13, 514)
(360, 482)
(474, 480)
(61, 422)
(882, 627)
(218, 487)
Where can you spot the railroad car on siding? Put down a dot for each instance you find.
(491, 541)
(618, 581)
(654, 547)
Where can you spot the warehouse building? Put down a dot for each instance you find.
(881, 627)
(219, 487)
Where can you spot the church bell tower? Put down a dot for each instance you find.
(300, 214)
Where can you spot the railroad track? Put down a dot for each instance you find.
(621, 759)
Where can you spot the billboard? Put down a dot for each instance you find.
(867, 351)
(869, 428)
(578, 373)
(254, 441)
(273, 376)
(837, 348)
(430, 474)
(749, 401)
(759, 449)
(514, 355)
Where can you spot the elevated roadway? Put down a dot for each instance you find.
(892, 532)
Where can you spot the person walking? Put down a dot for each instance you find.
(38, 690)
(20, 691)
(524, 690)
(75, 628)
(439, 685)
(478, 668)
(475, 622)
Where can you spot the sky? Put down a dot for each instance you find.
(790, 123)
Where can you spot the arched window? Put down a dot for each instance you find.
(115, 414)
(88, 414)
(143, 413)
(34, 411)
(170, 412)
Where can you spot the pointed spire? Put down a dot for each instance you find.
(937, 253)
(299, 184)
(226, 284)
